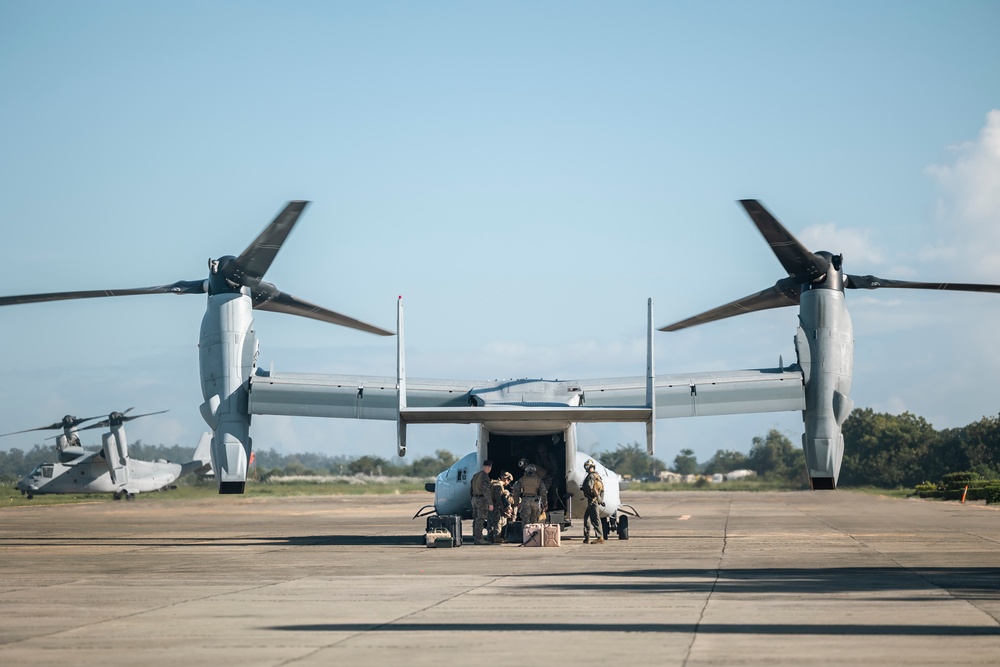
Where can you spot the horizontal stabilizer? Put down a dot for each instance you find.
(519, 413)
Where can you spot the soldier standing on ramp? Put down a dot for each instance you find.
(593, 490)
(480, 487)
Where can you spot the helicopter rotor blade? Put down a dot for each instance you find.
(286, 303)
(119, 418)
(874, 282)
(67, 422)
(247, 271)
(783, 293)
(179, 287)
(254, 262)
(798, 261)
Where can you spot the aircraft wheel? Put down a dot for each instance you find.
(116, 495)
(128, 496)
(605, 527)
(30, 496)
(623, 527)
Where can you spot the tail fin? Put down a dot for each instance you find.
(201, 463)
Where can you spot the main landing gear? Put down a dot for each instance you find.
(618, 522)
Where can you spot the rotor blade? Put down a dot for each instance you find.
(784, 293)
(74, 421)
(797, 260)
(40, 428)
(28, 430)
(874, 282)
(107, 422)
(179, 287)
(257, 258)
(283, 302)
(130, 418)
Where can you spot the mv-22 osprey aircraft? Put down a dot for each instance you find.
(521, 417)
(110, 470)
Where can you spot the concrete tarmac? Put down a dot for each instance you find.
(707, 578)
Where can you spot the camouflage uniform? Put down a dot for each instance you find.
(546, 478)
(480, 487)
(530, 491)
(593, 490)
(500, 504)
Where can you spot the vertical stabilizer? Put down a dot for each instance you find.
(400, 381)
(650, 383)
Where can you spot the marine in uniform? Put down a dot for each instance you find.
(593, 491)
(480, 487)
(499, 506)
(543, 474)
(529, 492)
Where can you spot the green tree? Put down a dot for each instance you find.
(888, 451)
(368, 465)
(430, 466)
(631, 460)
(685, 463)
(724, 461)
(775, 457)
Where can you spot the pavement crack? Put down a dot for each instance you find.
(715, 583)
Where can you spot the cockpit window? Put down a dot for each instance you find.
(47, 471)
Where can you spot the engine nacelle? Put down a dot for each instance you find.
(825, 347)
(227, 357)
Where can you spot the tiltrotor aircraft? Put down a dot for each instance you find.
(525, 417)
(110, 470)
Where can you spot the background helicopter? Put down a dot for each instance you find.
(110, 470)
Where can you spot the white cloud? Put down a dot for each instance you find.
(854, 244)
(968, 204)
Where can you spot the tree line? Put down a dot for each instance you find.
(881, 450)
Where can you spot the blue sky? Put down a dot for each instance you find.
(526, 175)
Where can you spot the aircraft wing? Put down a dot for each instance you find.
(457, 401)
(705, 394)
(349, 396)
(428, 401)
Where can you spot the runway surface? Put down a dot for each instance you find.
(707, 578)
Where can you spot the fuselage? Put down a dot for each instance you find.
(551, 446)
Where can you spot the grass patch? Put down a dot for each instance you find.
(704, 485)
(875, 491)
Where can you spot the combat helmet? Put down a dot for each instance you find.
(507, 477)
(588, 464)
(531, 470)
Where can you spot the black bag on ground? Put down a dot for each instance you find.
(450, 522)
(515, 532)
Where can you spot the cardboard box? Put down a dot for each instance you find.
(532, 535)
(551, 535)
